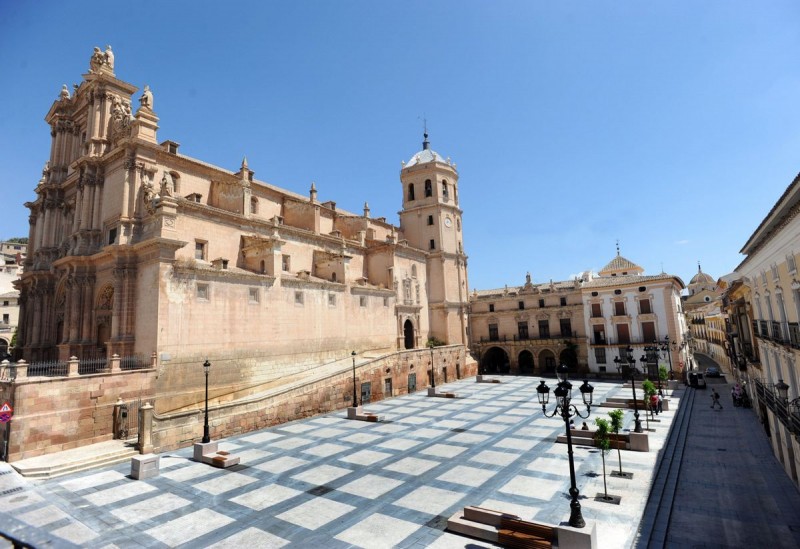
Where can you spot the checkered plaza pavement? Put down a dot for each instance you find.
(332, 482)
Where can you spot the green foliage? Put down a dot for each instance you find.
(18, 240)
(663, 374)
(648, 387)
(601, 437)
(616, 420)
(434, 342)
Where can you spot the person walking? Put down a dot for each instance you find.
(660, 407)
(715, 399)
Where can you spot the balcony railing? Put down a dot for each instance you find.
(785, 412)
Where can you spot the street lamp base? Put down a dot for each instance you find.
(575, 516)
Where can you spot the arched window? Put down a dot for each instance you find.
(410, 191)
(254, 205)
(413, 271)
(176, 183)
(428, 188)
(445, 193)
(263, 266)
(333, 277)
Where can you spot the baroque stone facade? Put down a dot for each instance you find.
(136, 248)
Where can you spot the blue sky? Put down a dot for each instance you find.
(671, 126)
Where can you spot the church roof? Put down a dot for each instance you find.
(701, 278)
(425, 155)
(615, 281)
(619, 263)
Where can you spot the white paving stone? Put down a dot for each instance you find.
(290, 443)
(443, 450)
(378, 532)
(548, 465)
(516, 443)
(224, 483)
(297, 428)
(412, 466)
(399, 443)
(370, 486)
(190, 472)
(189, 527)
(92, 481)
(262, 437)
(426, 433)
(468, 476)
(42, 516)
(118, 493)
(329, 432)
(266, 496)
(76, 532)
(493, 457)
(281, 464)
(362, 438)
(428, 499)
(150, 508)
(365, 457)
(253, 538)
(315, 513)
(533, 487)
(468, 438)
(325, 449)
(322, 475)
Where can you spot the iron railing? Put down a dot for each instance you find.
(788, 413)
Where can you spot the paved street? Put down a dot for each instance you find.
(339, 483)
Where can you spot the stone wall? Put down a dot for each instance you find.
(309, 397)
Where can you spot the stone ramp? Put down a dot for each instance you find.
(77, 459)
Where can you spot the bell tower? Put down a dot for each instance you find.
(431, 221)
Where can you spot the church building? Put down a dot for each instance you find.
(136, 248)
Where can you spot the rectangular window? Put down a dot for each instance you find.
(649, 332)
(430, 220)
(200, 250)
(433, 244)
(112, 236)
(362, 301)
(599, 335)
(600, 355)
(385, 301)
(790, 263)
(286, 263)
(619, 308)
(493, 335)
(411, 192)
(412, 383)
(387, 387)
(202, 291)
(644, 307)
(5, 303)
(253, 295)
(521, 305)
(522, 329)
(541, 303)
(544, 329)
(298, 298)
(332, 300)
(623, 333)
(491, 307)
(596, 311)
(563, 301)
(566, 327)
(774, 270)
(428, 188)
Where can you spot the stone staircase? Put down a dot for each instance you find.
(77, 459)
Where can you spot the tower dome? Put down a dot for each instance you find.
(425, 155)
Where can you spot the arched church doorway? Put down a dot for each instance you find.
(408, 333)
(526, 363)
(495, 361)
(547, 362)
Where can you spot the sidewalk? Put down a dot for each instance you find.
(338, 483)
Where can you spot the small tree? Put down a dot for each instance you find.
(663, 373)
(603, 442)
(649, 390)
(616, 425)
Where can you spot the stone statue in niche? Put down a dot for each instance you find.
(167, 186)
(146, 100)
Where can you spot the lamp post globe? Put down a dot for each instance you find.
(206, 434)
(567, 410)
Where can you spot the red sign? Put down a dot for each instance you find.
(6, 411)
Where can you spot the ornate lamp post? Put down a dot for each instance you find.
(631, 363)
(783, 390)
(355, 399)
(206, 435)
(666, 347)
(567, 410)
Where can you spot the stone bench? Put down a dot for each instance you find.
(208, 453)
(145, 466)
(483, 379)
(359, 414)
(433, 393)
(510, 530)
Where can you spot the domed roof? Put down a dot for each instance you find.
(619, 265)
(701, 278)
(425, 155)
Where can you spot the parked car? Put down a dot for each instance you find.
(712, 371)
(697, 380)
